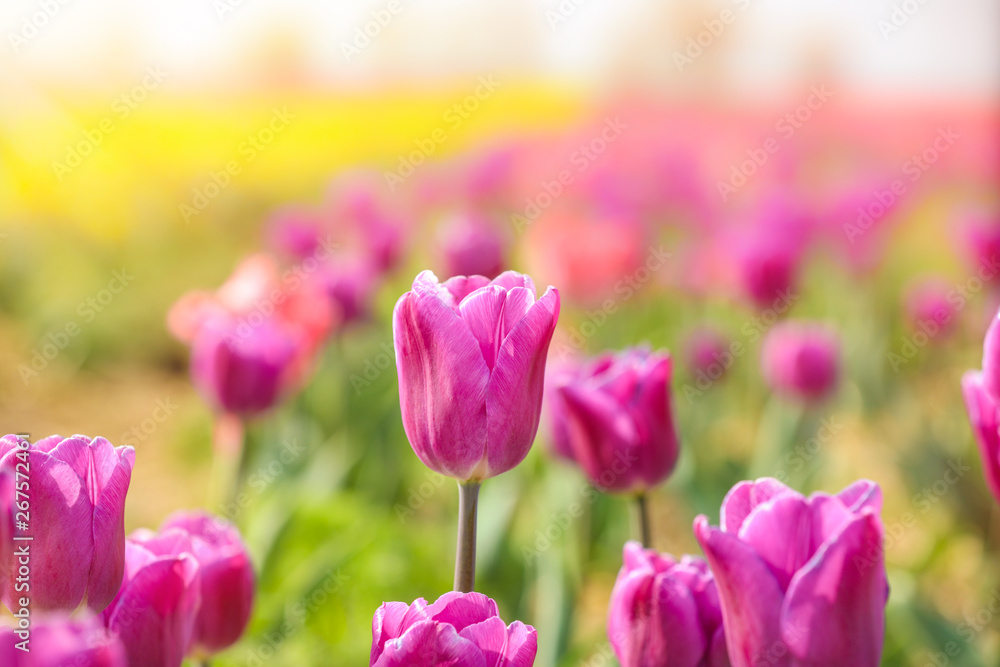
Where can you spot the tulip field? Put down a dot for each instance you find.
(640, 383)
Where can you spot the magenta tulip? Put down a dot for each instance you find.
(460, 629)
(665, 613)
(769, 268)
(471, 244)
(708, 355)
(801, 581)
(154, 612)
(617, 418)
(801, 360)
(76, 489)
(470, 354)
(242, 369)
(58, 641)
(981, 390)
(930, 308)
(227, 580)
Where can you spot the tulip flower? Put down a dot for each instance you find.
(930, 309)
(154, 612)
(295, 232)
(982, 235)
(618, 422)
(472, 245)
(665, 613)
(75, 517)
(981, 390)
(58, 641)
(458, 629)
(801, 360)
(708, 355)
(470, 354)
(768, 267)
(227, 580)
(801, 581)
(350, 284)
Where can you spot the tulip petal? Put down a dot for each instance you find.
(834, 612)
(603, 437)
(522, 646)
(862, 494)
(429, 643)
(442, 385)
(107, 570)
(985, 419)
(652, 413)
(490, 636)
(462, 609)
(512, 279)
(514, 397)
(386, 624)
(749, 594)
(458, 287)
(744, 497)
(482, 312)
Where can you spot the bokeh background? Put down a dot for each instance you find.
(117, 118)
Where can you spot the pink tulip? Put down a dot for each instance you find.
(350, 285)
(665, 613)
(295, 232)
(982, 234)
(618, 420)
(930, 308)
(59, 641)
(227, 580)
(708, 354)
(154, 612)
(472, 245)
(458, 629)
(981, 390)
(801, 580)
(76, 490)
(240, 369)
(768, 268)
(470, 354)
(801, 360)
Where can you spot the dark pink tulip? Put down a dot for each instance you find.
(154, 612)
(59, 641)
(768, 268)
(295, 232)
(77, 489)
(665, 613)
(618, 419)
(801, 360)
(242, 369)
(470, 354)
(559, 371)
(472, 245)
(982, 233)
(460, 629)
(981, 390)
(930, 308)
(708, 354)
(801, 580)
(350, 284)
(227, 580)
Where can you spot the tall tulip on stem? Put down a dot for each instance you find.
(470, 354)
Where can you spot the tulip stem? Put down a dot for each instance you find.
(465, 551)
(642, 514)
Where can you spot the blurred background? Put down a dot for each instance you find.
(673, 167)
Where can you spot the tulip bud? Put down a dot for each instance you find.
(59, 641)
(472, 245)
(930, 310)
(470, 354)
(665, 613)
(75, 516)
(457, 629)
(242, 369)
(227, 580)
(618, 420)
(800, 580)
(984, 416)
(769, 270)
(801, 361)
(154, 612)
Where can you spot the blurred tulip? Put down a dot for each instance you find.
(227, 580)
(458, 629)
(242, 370)
(77, 505)
(59, 641)
(296, 232)
(708, 354)
(981, 390)
(470, 354)
(931, 310)
(665, 613)
(364, 225)
(350, 284)
(154, 612)
(801, 581)
(982, 234)
(558, 371)
(768, 268)
(472, 245)
(618, 420)
(801, 360)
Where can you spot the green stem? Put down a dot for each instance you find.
(642, 518)
(465, 550)
(230, 454)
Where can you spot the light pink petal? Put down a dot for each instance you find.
(430, 644)
(522, 645)
(744, 497)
